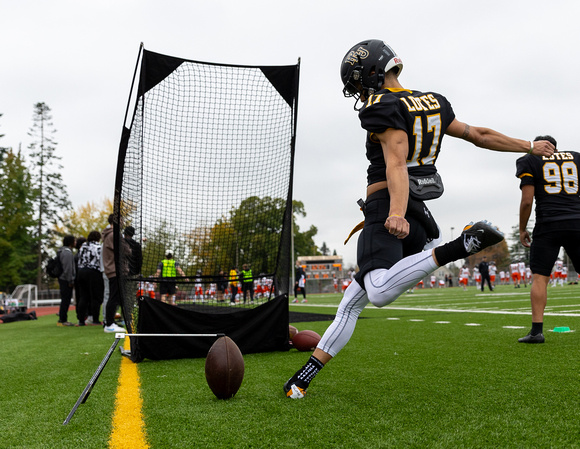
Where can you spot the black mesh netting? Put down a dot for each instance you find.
(204, 178)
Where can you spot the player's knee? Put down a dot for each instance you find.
(379, 290)
(381, 299)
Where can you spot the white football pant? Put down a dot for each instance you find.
(383, 286)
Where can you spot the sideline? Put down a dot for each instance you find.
(128, 427)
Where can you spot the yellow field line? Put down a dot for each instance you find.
(128, 426)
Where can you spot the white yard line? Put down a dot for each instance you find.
(433, 309)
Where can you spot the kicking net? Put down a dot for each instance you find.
(204, 178)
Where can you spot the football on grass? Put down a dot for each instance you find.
(224, 368)
(305, 340)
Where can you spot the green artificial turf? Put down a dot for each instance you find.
(409, 377)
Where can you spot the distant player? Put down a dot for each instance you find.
(267, 286)
(515, 270)
(564, 277)
(529, 275)
(557, 272)
(146, 289)
(464, 277)
(211, 291)
(554, 185)
(522, 270)
(492, 273)
(477, 277)
(198, 287)
(168, 269)
(432, 281)
(258, 290)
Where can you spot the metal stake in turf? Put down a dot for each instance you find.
(87, 391)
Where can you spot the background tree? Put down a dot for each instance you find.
(250, 234)
(217, 250)
(17, 256)
(497, 253)
(518, 251)
(257, 225)
(3, 150)
(83, 219)
(50, 194)
(157, 243)
(200, 252)
(303, 241)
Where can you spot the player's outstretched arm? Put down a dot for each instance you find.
(494, 140)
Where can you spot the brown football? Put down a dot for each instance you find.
(305, 340)
(224, 368)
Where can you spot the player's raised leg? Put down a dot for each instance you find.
(383, 286)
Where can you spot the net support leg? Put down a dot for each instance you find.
(87, 391)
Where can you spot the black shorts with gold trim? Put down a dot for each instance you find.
(377, 248)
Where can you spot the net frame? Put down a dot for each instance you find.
(158, 77)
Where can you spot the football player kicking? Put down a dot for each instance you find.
(553, 182)
(404, 131)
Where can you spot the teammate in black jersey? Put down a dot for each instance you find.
(553, 182)
(404, 131)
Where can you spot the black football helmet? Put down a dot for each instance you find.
(364, 66)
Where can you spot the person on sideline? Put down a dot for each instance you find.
(233, 279)
(136, 258)
(90, 279)
(247, 282)
(110, 268)
(168, 269)
(484, 271)
(66, 281)
(300, 283)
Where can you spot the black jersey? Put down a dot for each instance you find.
(555, 181)
(423, 116)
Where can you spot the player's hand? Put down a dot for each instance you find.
(525, 239)
(543, 148)
(397, 226)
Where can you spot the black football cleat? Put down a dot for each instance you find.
(480, 235)
(538, 338)
(293, 391)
